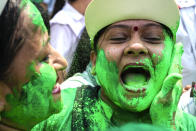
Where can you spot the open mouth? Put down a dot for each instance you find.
(135, 77)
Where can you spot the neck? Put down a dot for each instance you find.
(79, 6)
(121, 116)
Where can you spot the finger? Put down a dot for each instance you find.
(167, 95)
(176, 60)
(169, 83)
(177, 92)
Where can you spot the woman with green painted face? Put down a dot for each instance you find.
(137, 65)
(30, 69)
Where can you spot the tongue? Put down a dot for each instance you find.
(132, 79)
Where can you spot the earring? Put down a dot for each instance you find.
(93, 71)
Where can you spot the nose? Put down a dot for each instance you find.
(135, 49)
(56, 60)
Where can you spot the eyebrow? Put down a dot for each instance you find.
(118, 26)
(152, 24)
(127, 26)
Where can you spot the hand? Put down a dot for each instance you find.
(186, 88)
(164, 105)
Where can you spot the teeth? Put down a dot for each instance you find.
(136, 90)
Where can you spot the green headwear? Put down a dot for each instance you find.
(101, 13)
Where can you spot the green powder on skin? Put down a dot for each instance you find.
(107, 75)
(35, 103)
(135, 79)
(34, 14)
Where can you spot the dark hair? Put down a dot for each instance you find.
(10, 44)
(58, 6)
(71, 1)
(98, 35)
(168, 31)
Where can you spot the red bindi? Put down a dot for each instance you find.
(135, 28)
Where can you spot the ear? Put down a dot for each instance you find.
(93, 57)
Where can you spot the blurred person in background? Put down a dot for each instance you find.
(186, 35)
(67, 26)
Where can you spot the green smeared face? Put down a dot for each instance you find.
(35, 102)
(33, 84)
(132, 61)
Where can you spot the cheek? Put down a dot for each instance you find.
(113, 54)
(17, 75)
(156, 53)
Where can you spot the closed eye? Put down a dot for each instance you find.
(154, 40)
(118, 39)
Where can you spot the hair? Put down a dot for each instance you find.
(9, 43)
(99, 34)
(71, 1)
(58, 6)
(12, 36)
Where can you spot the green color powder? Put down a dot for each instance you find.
(34, 14)
(35, 103)
(107, 75)
(134, 79)
(165, 103)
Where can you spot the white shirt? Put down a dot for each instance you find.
(66, 28)
(187, 35)
(187, 103)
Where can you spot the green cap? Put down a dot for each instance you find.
(101, 13)
(2, 5)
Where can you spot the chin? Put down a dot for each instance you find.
(135, 104)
